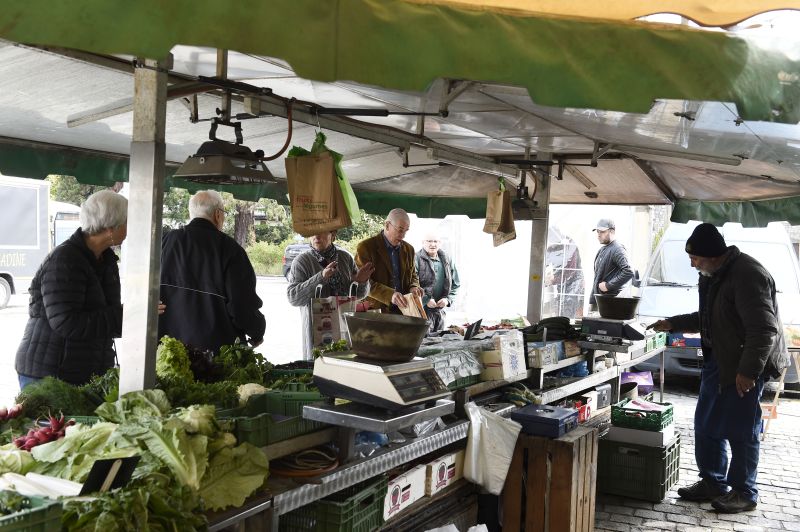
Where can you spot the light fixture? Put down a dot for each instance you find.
(643, 150)
(221, 162)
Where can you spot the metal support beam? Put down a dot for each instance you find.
(142, 260)
(538, 241)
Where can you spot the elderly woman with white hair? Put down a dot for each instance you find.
(75, 307)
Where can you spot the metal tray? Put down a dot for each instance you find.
(364, 417)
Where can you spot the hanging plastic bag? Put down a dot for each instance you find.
(490, 447)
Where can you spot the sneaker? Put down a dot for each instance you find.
(733, 502)
(700, 491)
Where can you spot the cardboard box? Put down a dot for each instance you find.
(544, 355)
(443, 471)
(648, 438)
(590, 398)
(571, 348)
(559, 346)
(498, 365)
(404, 490)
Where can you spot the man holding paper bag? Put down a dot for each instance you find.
(322, 272)
(393, 258)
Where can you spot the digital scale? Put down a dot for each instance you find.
(608, 331)
(390, 385)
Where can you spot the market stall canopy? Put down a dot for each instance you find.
(698, 118)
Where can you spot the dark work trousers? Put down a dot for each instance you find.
(436, 317)
(723, 418)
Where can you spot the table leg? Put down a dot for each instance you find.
(347, 441)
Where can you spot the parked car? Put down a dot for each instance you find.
(291, 251)
(669, 287)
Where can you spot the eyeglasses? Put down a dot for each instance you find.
(399, 229)
(432, 241)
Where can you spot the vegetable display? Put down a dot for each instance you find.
(172, 361)
(339, 345)
(12, 502)
(54, 430)
(241, 364)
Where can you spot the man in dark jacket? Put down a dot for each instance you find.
(611, 269)
(438, 278)
(207, 282)
(743, 344)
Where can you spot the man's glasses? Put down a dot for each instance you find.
(432, 241)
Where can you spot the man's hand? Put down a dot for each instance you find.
(364, 273)
(329, 270)
(431, 303)
(417, 291)
(442, 302)
(161, 308)
(661, 326)
(399, 300)
(603, 287)
(256, 343)
(744, 384)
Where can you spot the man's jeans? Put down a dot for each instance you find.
(24, 380)
(711, 455)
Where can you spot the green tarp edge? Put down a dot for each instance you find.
(93, 168)
(749, 213)
(405, 45)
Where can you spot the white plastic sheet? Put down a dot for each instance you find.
(490, 446)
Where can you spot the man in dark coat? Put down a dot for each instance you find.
(207, 282)
(743, 345)
(438, 278)
(393, 259)
(611, 269)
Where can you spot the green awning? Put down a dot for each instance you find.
(748, 213)
(405, 45)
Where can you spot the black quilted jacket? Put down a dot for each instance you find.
(75, 313)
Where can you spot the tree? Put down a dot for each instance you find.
(67, 189)
(243, 231)
(370, 225)
(176, 207)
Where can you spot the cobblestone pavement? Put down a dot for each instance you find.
(778, 481)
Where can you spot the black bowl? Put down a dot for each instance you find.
(616, 308)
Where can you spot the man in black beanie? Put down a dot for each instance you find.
(743, 345)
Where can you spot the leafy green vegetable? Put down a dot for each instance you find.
(241, 364)
(199, 419)
(172, 361)
(135, 406)
(222, 394)
(13, 460)
(233, 474)
(102, 388)
(50, 395)
(12, 502)
(150, 503)
(339, 345)
(13, 428)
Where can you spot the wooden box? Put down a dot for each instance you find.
(551, 483)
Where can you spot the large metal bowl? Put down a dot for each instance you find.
(616, 308)
(385, 337)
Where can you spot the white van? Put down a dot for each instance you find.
(669, 287)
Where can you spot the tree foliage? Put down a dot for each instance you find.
(67, 189)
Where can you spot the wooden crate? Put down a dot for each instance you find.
(550, 485)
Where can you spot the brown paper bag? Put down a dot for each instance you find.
(494, 211)
(507, 217)
(315, 196)
(327, 319)
(501, 238)
(413, 307)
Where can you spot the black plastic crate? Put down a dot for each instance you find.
(638, 471)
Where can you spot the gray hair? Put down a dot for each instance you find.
(204, 204)
(397, 215)
(103, 210)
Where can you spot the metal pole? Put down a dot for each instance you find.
(137, 355)
(539, 226)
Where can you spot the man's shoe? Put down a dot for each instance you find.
(733, 502)
(700, 491)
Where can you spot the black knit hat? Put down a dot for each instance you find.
(706, 241)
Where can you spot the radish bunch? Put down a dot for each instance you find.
(38, 435)
(10, 413)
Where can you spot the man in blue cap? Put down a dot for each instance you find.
(743, 345)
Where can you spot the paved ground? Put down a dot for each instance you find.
(778, 482)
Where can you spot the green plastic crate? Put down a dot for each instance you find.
(86, 420)
(44, 515)
(638, 471)
(278, 372)
(463, 382)
(274, 416)
(358, 508)
(638, 419)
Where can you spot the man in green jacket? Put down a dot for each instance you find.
(393, 259)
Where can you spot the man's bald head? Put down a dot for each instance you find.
(396, 226)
